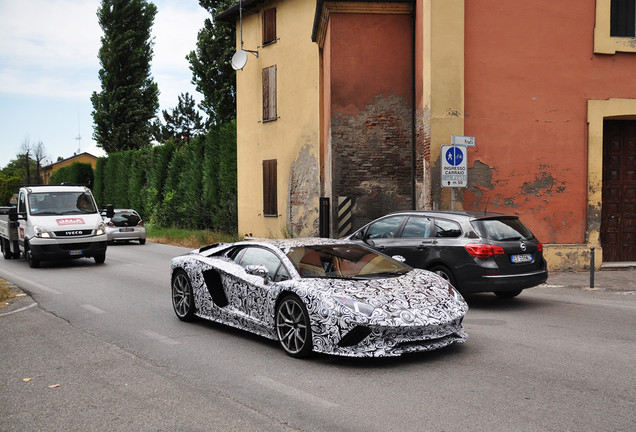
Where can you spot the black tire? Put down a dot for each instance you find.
(182, 296)
(507, 294)
(33, 262)
(99, 259)
(6, 251)
(142, 241)
(293, 327)
(445, 273)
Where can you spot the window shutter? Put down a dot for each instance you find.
(623, 18)
(269, 93)
(269, 26)
(270, 207)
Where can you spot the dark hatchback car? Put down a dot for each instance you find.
(475, 251)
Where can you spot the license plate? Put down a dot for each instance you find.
(521, 258)
(77, 252)
(126, 229)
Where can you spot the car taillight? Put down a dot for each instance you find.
(479, 250)
(110, 224)
(141, 223)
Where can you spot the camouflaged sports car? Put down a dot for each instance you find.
(319, 295)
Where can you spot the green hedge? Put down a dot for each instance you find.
(186, 185)
(77, 172)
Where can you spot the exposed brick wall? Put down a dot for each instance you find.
(372, 158)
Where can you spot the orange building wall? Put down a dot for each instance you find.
(529, 71)
(371, 55)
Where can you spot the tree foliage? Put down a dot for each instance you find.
(212, 72)
(8, 186)
(182, 123)
(77, 172)
(123, 110)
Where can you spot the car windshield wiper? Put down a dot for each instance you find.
(46, 213)
(77, 212)
(385, 274)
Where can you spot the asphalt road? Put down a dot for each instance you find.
(105, 338)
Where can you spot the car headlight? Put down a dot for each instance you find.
(454, 293)
(101, 229)
(356, 306)
(40, 232)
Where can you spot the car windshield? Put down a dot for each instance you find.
(343, 261)
(61, 203)
(125, 218)
(502, 229)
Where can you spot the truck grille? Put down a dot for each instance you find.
(72, 233)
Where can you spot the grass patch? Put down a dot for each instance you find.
(188, 238)
(8, 291)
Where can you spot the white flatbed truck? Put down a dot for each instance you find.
(53, 223)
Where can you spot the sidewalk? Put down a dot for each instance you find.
(608, 279)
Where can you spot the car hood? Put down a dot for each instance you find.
(419, 296)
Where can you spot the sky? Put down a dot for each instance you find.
(49, 69)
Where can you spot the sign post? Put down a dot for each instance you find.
(455, 166)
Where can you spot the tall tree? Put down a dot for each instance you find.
(182, 123)
(25, 152)
(212, 72)
(39, 154)
(129, 99)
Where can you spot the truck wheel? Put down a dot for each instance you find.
(33, 262)
(6, 252)
(99, 259)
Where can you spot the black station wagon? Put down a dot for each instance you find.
(474, 251)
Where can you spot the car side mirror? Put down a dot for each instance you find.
(258, 270)
(110, 211)
(13, 214)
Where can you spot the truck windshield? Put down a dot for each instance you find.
(61, 203)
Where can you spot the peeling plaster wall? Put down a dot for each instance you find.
(304, 194)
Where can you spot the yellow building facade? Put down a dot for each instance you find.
(48, 170)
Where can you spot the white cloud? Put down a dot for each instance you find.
(49, 68)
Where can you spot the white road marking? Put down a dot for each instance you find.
(19, 310)
(293, 392)
(30, 282)
(93, 309)
(160, 338)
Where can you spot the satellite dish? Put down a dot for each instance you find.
(239, 60)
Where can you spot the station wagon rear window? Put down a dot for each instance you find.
(502, 229)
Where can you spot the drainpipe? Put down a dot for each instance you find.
(413, 106)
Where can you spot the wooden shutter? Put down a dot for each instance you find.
(269, 93)
(269, 26)
(270, 207)
(623, 18)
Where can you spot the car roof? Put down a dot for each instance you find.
(56, 188)
(282, 244)
(296, 242)
(470, 214)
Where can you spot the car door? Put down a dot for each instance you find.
(250, 298)
(380, 234)
(414, 241)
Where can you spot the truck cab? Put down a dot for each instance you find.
(59, 222)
